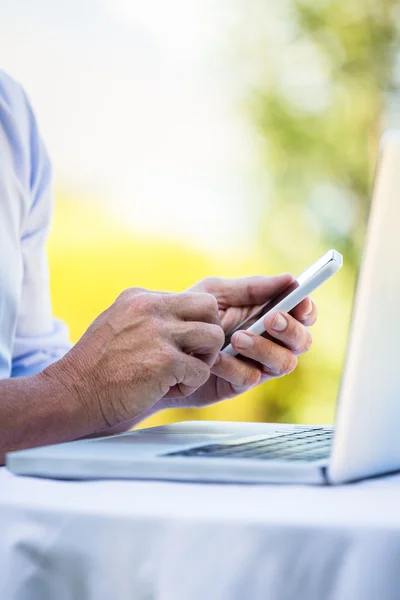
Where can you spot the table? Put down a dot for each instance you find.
(123, 540)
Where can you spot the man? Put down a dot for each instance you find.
(147, 352)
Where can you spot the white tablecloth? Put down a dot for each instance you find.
(170, 541)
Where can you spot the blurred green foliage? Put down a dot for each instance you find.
(320, 104)
(331, 145)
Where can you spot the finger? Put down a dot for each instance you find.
(192, 306)
(248, 291)
(191, 374)
(286, 329)
(237, 372)
(274, 359)
(201, 339)
(305, 312)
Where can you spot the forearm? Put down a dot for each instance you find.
(40, 410)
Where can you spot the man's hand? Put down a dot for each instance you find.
(147, 345)
(264, 358)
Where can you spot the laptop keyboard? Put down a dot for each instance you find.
(302, 444)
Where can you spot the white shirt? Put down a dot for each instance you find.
(30, 337)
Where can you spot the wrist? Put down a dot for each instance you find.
(64, 381)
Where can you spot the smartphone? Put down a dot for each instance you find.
(291, 296)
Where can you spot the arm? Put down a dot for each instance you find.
(39, 410)
(40, 339)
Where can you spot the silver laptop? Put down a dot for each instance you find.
(366, 439)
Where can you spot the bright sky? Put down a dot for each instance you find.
(138, 109)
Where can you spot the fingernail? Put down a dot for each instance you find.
(279, 323)
(243, 340)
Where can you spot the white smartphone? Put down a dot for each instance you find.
(291, 296)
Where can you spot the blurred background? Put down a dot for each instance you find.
(210, 137)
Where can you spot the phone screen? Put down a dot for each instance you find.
(262, 310)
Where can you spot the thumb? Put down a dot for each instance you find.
(249, 291)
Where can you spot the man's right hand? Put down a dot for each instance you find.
(146, 345)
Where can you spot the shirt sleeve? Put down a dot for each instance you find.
(40, 339)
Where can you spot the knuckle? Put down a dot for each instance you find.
(250, 289)
(289, 364)
(135, 298)
(122, 296)
(205, 371)
(152, 301)
(306, 345)
(211, 283)
(202, 372)
(127, 295)
(231, 368)
(251, 377)
(153, 305)
(218, 336)
(266, 349)
(241, 375)
(294, 332)
(132, 303)
(211, 303)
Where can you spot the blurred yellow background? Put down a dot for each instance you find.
(105, 258)
(195, 138)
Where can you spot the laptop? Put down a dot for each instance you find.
(365, 441)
